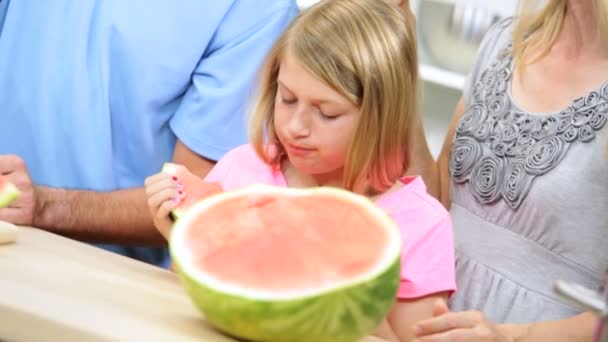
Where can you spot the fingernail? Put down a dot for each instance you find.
(180, 192)
(174, 178)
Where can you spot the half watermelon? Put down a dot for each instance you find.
(267, 263)
(8, 192)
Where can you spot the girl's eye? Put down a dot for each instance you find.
(288, 101)
(328, 117)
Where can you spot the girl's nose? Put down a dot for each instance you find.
(298, 125)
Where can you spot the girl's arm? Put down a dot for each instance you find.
(400, 322)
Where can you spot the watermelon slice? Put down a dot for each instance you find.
(8, 192)
(196, 188)
(267, 263)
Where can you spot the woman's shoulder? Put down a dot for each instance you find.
(502, 26)
(497, 39)
(498, 35)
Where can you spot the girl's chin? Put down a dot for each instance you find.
(314, 170)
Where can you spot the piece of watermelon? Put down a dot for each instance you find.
(196, 188)
(8, 192)
(267, 263)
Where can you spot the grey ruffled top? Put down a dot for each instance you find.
(529, 194)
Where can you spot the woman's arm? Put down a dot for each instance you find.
(572, 329)
(422, 162)
(474, 326)
(443, 161)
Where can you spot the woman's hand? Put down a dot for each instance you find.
(457, 326)
(164, 192)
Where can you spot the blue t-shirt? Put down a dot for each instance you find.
(94, 93)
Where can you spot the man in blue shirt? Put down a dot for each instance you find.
(95, 95)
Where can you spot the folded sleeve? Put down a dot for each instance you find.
(210, 119)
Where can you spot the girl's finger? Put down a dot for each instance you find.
(155, 178)
(164, 210)
(161, 182)
(162, 221)
(165, 195)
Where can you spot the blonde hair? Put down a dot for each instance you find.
(366, 51)
(536, 31)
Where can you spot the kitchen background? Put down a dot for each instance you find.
(449, 33)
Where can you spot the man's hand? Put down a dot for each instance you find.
(23, 210)
(457, 326)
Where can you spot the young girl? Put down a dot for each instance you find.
(338, 94)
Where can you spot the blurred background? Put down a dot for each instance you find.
(449, 34)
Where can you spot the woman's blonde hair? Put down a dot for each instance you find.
(366, 51)
(537, 30)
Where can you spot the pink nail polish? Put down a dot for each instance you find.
(174, 178)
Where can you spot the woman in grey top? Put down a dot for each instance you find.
(525, 172)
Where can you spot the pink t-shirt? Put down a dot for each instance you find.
(427, 261)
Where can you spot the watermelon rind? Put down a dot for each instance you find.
(8, 194)
(339, 312)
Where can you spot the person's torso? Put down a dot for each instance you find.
(89, 86)
(529, 192)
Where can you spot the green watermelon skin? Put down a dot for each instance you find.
(343, 315)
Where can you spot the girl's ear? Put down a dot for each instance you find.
(402, 3)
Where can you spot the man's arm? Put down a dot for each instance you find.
(209, 118)
(110, 217)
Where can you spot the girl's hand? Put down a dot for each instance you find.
(164, 192)
(457, 326)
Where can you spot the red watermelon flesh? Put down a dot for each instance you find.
(267, 241)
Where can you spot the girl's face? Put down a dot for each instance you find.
(313, 122)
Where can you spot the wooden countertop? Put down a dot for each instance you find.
(54, 288)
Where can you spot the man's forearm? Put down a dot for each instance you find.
(105, 217)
